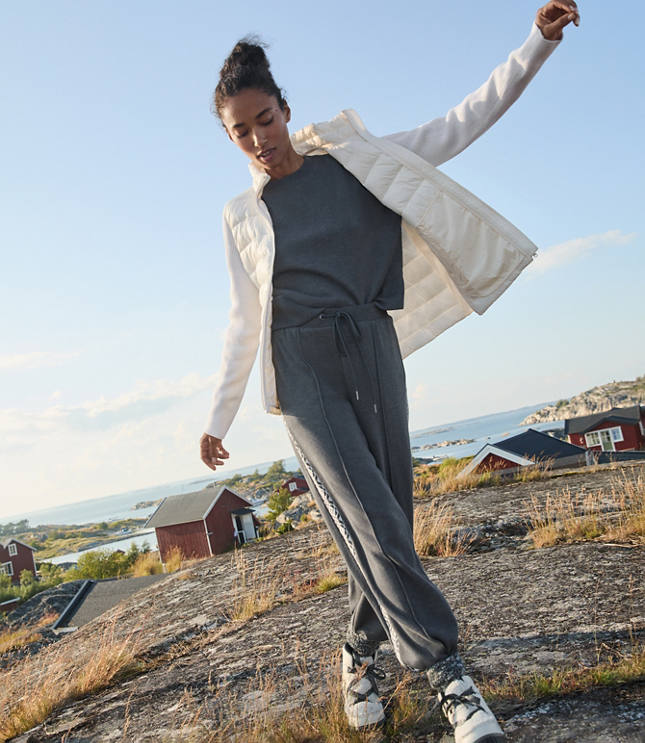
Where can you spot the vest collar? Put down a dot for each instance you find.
(312, 139)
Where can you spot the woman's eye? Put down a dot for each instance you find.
(267, 122)
(241, 134)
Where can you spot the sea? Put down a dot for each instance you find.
(423, 442)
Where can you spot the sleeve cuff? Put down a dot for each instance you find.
(536, 48)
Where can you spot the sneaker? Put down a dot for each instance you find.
(470, 717)
(362, 703)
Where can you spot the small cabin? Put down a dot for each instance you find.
(204, 523)
(524, 450)
(618, 429)
(295, 485)
(16, 556)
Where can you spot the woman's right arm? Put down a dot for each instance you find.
(240, 349)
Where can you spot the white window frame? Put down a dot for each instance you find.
(593, 437)
(293, 486)
(7, 568)
(13, 550)
(589, 438)
(616, 434)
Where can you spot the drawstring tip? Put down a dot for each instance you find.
(356, 393)
(375, 409)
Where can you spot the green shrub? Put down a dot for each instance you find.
(278, 502)
(283, 528)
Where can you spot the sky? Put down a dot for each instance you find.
(114, 294)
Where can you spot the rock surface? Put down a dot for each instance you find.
(521, 611)
(595, 400)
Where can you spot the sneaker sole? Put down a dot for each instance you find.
(367, 721)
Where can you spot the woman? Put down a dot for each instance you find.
(337, 230)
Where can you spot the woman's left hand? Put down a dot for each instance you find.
(554, 16)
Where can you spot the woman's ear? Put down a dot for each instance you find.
(287, 112)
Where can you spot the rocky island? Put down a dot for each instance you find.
(595, 400)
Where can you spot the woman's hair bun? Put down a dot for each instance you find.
(248, 51)
(247, 66)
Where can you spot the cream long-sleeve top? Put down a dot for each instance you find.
(459, 255)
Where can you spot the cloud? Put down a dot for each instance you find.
(566, 252)
(147, 399)
(33, 360)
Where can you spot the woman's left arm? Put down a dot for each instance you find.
(441, 139)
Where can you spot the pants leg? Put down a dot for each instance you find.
(349, 432)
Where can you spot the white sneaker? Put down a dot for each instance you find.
(468, 713)
(362, 703)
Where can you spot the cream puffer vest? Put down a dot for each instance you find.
(459, 255)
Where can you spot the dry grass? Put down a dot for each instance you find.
(148, 563)
(49, 618)
(329, 581)
(14, 639)
(623, 670)
(307, 709)
(255, 587)
(568, 516)
(36, 686)
(431, 480)
(435, 533)
(175, 560)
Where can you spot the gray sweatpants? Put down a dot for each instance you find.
(341, 385)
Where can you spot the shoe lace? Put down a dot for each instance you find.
(469, 697)
(367, 670)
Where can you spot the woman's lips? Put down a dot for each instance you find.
(266, 155)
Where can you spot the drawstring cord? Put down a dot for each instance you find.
(341, 345)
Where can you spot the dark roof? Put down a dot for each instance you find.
(241, 511)
(534, 444)
(586, 423)
(105, 594)
(187, 507)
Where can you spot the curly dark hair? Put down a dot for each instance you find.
(246, 66)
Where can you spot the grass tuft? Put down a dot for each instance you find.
(329, 581)
(255, 587)
(36, 686)
(529, 688)
(18, 638)
(435, 533)
(148, 563)
(567, 516)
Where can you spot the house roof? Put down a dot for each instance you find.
(6, 542)
(492, 449)
(524, 449)
(186, 507)
(584, 423)
(537, 445)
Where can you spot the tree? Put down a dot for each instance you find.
(276, 469)
(278, 502)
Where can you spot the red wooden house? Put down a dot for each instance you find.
(618, 429)
(16, 556)
(524, 450)
(295, 486)
(204, 523)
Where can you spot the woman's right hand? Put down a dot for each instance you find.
(211, 451)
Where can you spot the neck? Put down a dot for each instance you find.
(291, 162)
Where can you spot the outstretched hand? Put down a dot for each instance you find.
(554, 16)
(211, 451)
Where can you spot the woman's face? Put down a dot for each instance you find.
(255, 122)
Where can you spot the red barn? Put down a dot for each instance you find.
(204, 523)
(618, 429)
(295, 486)
(16, 556)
